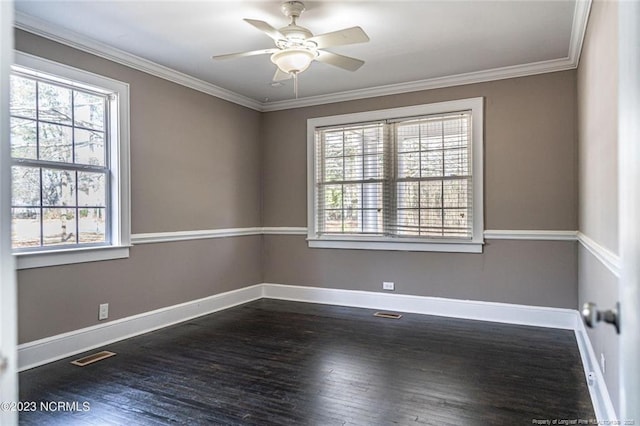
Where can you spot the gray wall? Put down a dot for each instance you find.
(530, 183)
(195, 164)
(199, 162)
(598, 169)
(523, 272)
(57, 299)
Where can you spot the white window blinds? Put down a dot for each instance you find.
(351, 179)
(407, 178)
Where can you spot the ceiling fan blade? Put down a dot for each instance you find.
(243, 54)
(266, 28)
(339, 38)
(280, 75)
(340, 61)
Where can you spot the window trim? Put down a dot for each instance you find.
(119, 156)
(475, 245)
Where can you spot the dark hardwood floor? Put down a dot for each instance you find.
(275, 362)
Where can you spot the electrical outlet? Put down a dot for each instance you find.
(602, 363)
(103, 313)
(388, 285)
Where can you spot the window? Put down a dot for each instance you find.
(399, 179)
(69, 154)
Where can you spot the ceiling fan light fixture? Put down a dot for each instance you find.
(296, 47)
(293, 61)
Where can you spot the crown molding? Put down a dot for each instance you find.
(430, 83)
(578, 29)
(77, 41)
(47, 30)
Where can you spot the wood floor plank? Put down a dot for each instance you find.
(290, 363)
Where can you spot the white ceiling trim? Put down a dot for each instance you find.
(579, 29)
(70, 38)
(80, 42)
(431, 83)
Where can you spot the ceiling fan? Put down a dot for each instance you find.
(296, 46)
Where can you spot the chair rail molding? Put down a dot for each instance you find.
(608, 258)
(169, 236)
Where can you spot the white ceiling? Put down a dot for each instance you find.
(412, 42)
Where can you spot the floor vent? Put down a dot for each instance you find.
(387, 315)
(90, 359)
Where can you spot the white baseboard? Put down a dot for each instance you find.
(60, 346)
(538, 316)
(53, 348)
(600, 398)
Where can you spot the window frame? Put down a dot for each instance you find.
(367, 242)
(119, 228)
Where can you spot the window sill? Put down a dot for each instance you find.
(70, 256)
(439, 246)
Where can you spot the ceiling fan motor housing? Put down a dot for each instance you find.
(295, 32)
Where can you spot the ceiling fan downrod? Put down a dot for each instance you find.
(293, 10)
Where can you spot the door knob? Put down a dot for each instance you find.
(592, 316)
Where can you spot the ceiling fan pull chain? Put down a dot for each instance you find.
(295, 83)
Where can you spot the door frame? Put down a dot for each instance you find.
(629, 206)
(8, 305)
